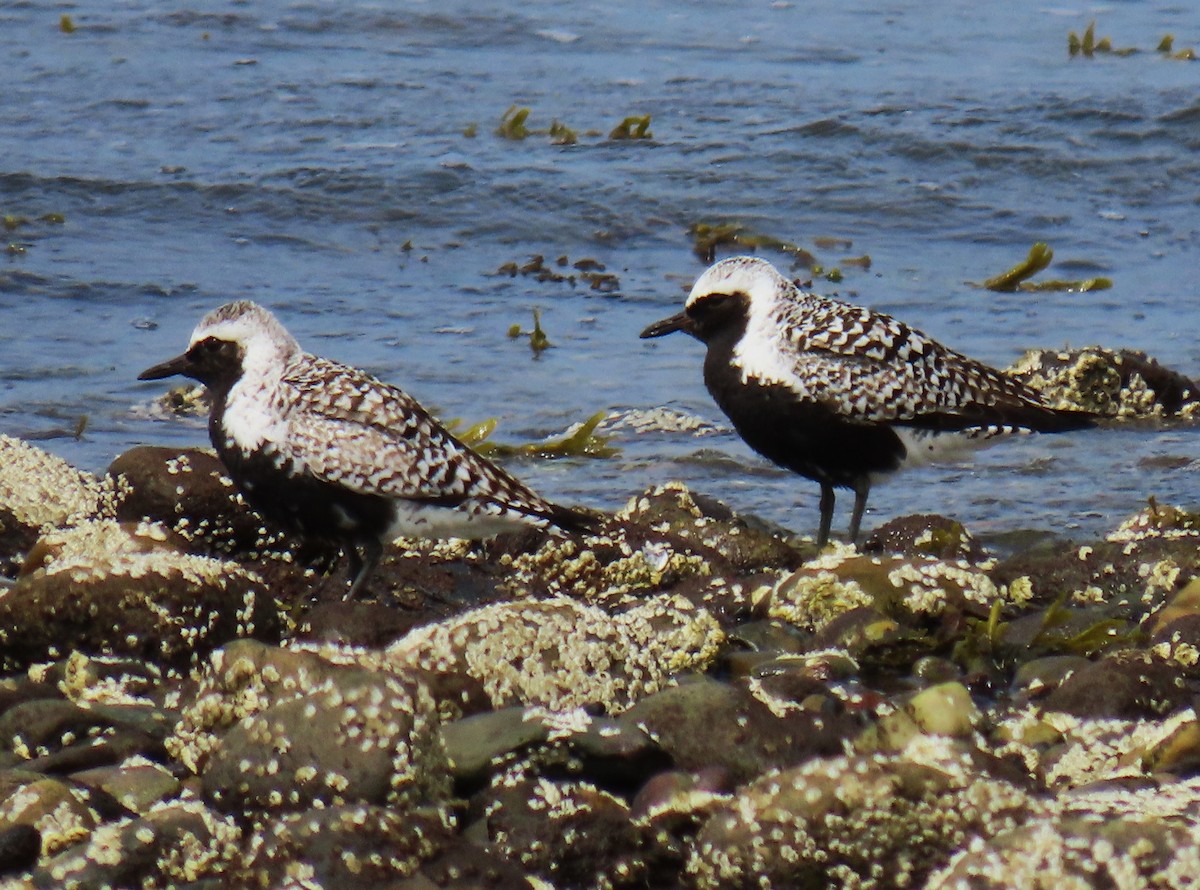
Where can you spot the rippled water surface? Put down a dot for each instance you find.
(317, 157)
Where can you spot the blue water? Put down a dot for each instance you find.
(311, 156)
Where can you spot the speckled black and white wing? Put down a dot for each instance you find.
(350, 429)
(868, 366)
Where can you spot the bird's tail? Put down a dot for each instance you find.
(574, 521)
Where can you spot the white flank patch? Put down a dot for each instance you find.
(429, 521)
(926, 446)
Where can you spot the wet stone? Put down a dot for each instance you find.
(745, 546)
(925, 535)
(1125, 685)
(137, 783)
(706, 724)
(20, 846)
(58, 811)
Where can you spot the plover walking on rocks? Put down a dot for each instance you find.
(839, 393)
(336, 455)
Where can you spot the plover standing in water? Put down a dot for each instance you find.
(334, 454)
(839, 393)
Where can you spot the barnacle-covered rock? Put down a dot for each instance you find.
(1126, 684)
(174, 843)
(55, 735)
(705, 724)
(564, 654)
(925, 535)
(943, 710)
(59, 811)
(189, 492)
(570, 833)
(1070, 752)
(618, 566)
(118, 588)
(665, 539)
(674, 508)
(39, 492)
(348, 847)
(1136, 569)
(276, 730)
(1120, 383)
(1077, 853)
(907, 588)
(136, 783)
(854, 821)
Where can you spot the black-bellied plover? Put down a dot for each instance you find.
(839, 393)
(336, 455)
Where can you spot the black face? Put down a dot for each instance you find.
(706, 318)
(213, 362)
(714, 314)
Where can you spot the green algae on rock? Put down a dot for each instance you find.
(564, 654)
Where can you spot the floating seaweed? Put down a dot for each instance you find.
(589, 270)
(1089, 47)
(512, 123)
(708, 237)
(1038, 259)
(538, 341)
(579, 440)
(561, 134)
(1166, 46)
(632, 127)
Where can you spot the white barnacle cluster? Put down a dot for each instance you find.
(842, 580)
(563, 654)
(863, 821)
(44, 491)
(565, 566)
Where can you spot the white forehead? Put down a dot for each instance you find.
(756, 278)
(246, 324)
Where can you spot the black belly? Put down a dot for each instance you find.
(805, 437)
(313, 508)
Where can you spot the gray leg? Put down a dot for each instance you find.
(862, 487)
(362, 566)
(827, 497)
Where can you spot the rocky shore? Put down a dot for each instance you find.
(682, 700)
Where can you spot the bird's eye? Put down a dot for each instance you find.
(208, 347)
(710, 304)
